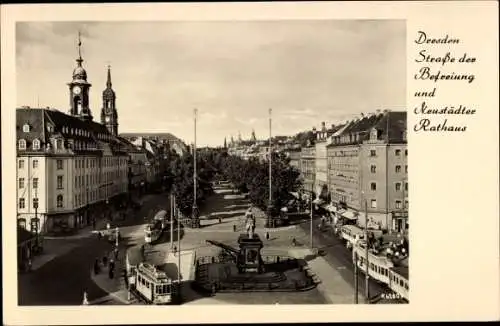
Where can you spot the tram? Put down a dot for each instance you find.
(153, 286)
(383, 270)
(154, 229)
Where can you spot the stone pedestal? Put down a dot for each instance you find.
(250, 259)
(269, 217)
(195, 218)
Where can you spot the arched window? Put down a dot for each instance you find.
(26, 128)
(22, 144)
(36, 144)
(59, 201)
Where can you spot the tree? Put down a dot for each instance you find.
(252, 176)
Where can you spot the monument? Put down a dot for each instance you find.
(244, 269)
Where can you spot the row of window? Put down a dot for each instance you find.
(397, 186)
(21, 164)
(60, 202)
(373, 202)
(385, 272)
(397, 152)
(35, 144)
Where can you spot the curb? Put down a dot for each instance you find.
(112, 295)
(70, 237)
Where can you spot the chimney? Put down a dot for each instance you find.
(323, 126)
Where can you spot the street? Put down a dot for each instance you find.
(340, 258)
(63, 280)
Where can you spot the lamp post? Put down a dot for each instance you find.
(270, 204)
(195, 217)
(35, 220)
(367, 273)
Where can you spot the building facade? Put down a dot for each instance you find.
(368, 170)
(308, 167)
(67, 164)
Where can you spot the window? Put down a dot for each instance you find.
(21, 183)
(35, 183)
(59, 164)
(35, 203)
(398, 204)
(87, 164)
(373, 168)
(59, 201)
(397, 152)
(398, 186)
(373, 152)
(373, 203)
(22, 144)
(398, 168)
(406, 186)
(373, 186)
(26, 128)
(35, 164)
(76, 200)
(406, 152)
(21, 164)
(406, 203)
(59, 182)
(36, 144)
(21, 203)
(406, 168)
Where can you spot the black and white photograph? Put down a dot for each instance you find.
(212, 162)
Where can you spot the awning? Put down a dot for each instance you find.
(350, 215)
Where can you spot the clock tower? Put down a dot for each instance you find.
(79, 90)
(109, 115)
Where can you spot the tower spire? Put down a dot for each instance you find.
(79, 60)
(108, 81)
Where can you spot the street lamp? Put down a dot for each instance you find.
(270, 204)
(34, 223)
(367, 270)
(195, 217)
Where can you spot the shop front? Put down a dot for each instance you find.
(400, 221)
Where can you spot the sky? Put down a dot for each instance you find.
(232, 72)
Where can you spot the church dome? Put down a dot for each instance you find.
(79, 73)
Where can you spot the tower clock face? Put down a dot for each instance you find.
(108, 118)
(77, 90)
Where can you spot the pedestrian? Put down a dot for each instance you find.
(104, 260)
(99, 235)
(111, 264)
(85, 301)
(294, 242)
(29, 264)
(116, 253)
(234, 227)
(220, 219)
(93, 223)
(96, 266)
(267, 235)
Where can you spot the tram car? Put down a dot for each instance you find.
(151, 233)
(153, 286)
(154, 229)
(398, 281)
(382, 269)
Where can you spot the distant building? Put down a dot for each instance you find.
(368, 164)
(321, 174)
(308, 167)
